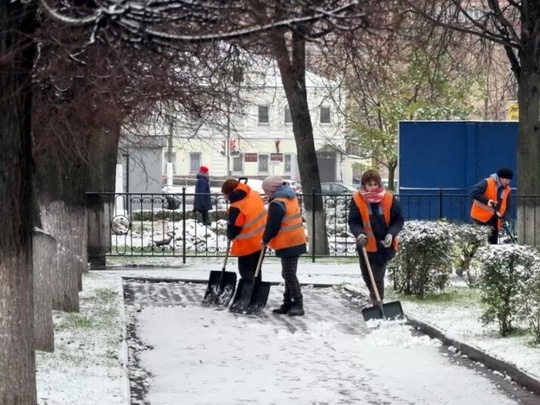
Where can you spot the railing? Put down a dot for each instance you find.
(164, 225)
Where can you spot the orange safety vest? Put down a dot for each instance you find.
(482, 212)
(292, 231)
(252, 219)
(386, 203)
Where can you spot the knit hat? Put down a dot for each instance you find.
(271, 184)
(228, 186)
(505, 173)
(203, 169)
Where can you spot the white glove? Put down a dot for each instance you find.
(387, 242)
(493, 203)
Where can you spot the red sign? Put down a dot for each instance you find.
(276, 157)
(250, 157)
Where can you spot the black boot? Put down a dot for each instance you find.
(286, 306)
(297, 308)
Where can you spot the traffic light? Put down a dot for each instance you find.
(223, 147)
(234, 147)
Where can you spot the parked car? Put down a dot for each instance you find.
(336, 188)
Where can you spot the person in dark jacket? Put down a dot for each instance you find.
(245, 225)
(375, 220)
(202, 203)
(491, 196)
(285, 234)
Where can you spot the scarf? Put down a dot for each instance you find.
(373, 197)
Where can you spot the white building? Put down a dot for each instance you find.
(260, 134)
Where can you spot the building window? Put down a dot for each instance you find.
(263, 114)
(194, 162)
(263, 163)
(325, 115)
(237, 74)
(288, 117)
(287, 163)
(238, 163)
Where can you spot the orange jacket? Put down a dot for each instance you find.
(386, 203)
(291, 232)
(252, 219)
(482, 212)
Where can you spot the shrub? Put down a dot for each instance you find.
(424, 260)
(529, 303)
(467, 240)
(506, 270)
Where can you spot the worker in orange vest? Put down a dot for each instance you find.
(245, 225)
(375, 219)
(285, 234)
(490, 198)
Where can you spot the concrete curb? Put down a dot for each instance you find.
(123, 350)
(521, 377)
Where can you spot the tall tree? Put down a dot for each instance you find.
(418, 74)
(166, 24)
(514, 25)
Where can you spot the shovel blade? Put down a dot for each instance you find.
(250, 297)
(390, 310)
(220, 289)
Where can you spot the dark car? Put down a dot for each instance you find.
(336, 188)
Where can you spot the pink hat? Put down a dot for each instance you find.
(203, 169)
(271, 184)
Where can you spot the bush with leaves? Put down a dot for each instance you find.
(529, 303)
(506, 274)
(424, 260)
(467, 240)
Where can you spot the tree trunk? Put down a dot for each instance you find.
(65, 222)
(292, 66)
(391, 175)
(17, 55)
(45, 259)
(528, 218)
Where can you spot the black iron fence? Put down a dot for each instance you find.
(165, 225)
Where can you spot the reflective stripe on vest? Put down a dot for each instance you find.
(254, 215)
(291, 232)
(483, 212)
(384, 207)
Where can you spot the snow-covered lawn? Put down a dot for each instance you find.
(89, 364)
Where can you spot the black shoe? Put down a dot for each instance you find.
(283, 309)
(297, 308)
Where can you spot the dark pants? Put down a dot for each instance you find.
(248, 264)
(379, 270)
(289, 267)
(493, 238)
(204, 217)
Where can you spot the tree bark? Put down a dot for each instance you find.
(17, 56)
(292, 66)
(45, 259)
(528, 150)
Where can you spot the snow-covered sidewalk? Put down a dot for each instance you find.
(89, 364)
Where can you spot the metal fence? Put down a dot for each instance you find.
(164, 225)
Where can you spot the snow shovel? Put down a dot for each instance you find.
(391, 310)
(251, 295)
(221, 285)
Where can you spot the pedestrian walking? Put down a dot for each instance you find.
(491, 197)
(375, 220)
(246, 219)
(285, 234)
(202, 203)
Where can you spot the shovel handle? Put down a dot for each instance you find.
(259, 263)
(226, 254)
(370, 272)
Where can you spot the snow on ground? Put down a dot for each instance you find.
(87, 366)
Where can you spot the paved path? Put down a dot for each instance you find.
(329, 356)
